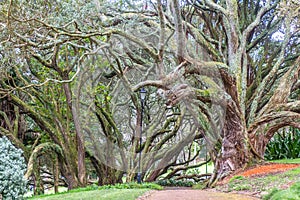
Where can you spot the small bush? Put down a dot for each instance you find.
(12, 170)
(120, 186)
(176, 183)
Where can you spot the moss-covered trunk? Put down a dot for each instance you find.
(236, 151)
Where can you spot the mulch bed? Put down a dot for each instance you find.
(261, 170)
(268, 169)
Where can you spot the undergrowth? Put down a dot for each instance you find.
(268, 184)
(176, 183)
(292, 193)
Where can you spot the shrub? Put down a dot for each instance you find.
(119, 186)
(12, 170)
(177, 183)
(284, 145)
(132, 186)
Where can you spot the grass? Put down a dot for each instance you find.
(263, 184)
(287, 161)
(48, 191)
(106, 194)
(210, 168)
(291, 193)
(126, 191)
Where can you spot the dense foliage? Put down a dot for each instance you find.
(284, 145)
(12, 170)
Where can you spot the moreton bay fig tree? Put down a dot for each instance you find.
(232, 65)
(228, 69)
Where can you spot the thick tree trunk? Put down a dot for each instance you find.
(259, 143)
(235, 152)
(71, 179)
(106, 175)
(79, 135)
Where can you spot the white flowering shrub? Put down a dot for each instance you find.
(12, 170)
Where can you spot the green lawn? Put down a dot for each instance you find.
(288, 161)
(107, 194)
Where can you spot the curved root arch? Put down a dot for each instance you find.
(39, 150)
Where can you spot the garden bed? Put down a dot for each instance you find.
(270, 168)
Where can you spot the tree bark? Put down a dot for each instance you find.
(55, 174)
(39, 187)
(236, 150)
(79, 135)
(106, 174)
(69, 174)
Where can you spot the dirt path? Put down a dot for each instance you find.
(189, 194)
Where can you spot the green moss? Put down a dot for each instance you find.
(203, 93)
